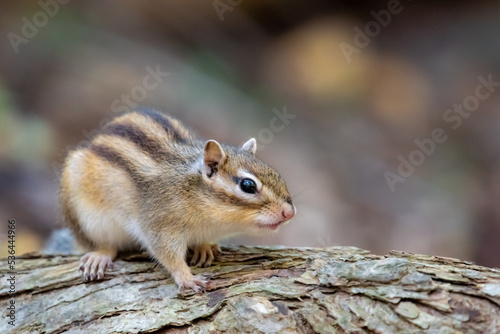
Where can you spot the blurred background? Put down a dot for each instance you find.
(344, 98)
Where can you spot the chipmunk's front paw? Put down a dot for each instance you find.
(196, 283)
(204, 255)
(94, 264)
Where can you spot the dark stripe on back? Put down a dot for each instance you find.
(115, 158)
(138, 137)
(164, 122)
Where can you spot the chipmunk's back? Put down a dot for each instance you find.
(117, 168)
(152, 133)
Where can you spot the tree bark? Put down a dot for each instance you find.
(258, 290)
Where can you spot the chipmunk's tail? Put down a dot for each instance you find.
(61, 242)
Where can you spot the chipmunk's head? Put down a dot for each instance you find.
(251, 194)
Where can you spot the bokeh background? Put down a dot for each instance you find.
(67, 66)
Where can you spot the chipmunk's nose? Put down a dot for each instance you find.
(288, 211)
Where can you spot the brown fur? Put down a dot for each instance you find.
(146, 179)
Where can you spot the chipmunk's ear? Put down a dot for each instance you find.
(250, 146)
(213, 157)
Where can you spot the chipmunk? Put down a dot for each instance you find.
(147, 181)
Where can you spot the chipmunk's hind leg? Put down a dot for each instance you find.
(97, 212)
(94, 264)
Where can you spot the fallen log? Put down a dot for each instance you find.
(257, 290)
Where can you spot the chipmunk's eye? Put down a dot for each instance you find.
(248, 186)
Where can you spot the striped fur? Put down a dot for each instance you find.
(146, 180)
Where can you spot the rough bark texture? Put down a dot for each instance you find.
(260, 290)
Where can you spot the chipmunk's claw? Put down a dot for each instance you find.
(204, 255)
(197, 283)
(94, 264)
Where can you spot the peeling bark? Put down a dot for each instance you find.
(259, 290)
